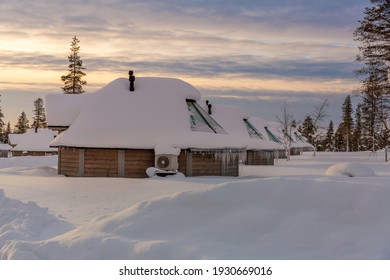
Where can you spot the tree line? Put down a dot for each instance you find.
(23, 124)
(367, 127)
(355, 132)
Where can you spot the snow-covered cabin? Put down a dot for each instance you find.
(235, 120)
(269, 131)
(35, 142)
(120, 133)
(299, 143)
(302, 142)
(5, 150)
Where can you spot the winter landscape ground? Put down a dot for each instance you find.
(301, 209)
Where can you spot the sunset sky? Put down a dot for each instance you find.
(252, 53)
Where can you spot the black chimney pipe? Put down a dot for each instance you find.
(209, 106)
(131, 79)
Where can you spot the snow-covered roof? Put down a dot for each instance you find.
(265, 127)
(298, 140)
(156, 113)
(37, 142)
(234, 120)
(5, 147)
(63, 109)
(14, 138)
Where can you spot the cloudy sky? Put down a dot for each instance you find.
(252, 53)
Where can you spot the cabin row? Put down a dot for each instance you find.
(157, 126)
(35, 142)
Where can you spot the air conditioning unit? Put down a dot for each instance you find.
(166, 162)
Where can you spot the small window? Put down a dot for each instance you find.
(201, 121)
(252, 131)
(271, 136)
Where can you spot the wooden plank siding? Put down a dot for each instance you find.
(137, 161)
(68, 161)
(100, 163)
(32, 153)
(260, 158)
(207, 163)
(108, 163)
(296, 151)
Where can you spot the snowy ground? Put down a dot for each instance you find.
(288, 211)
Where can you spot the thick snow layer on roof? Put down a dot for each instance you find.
(156, 113)
(275, 128)
(63, 109)
(14, 138)
(231, 118)
(5, 147)
(37, 142)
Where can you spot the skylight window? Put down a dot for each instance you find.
(201, 121)
(252, 131)
(271, 136)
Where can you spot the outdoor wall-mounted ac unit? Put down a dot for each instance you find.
(166, 162)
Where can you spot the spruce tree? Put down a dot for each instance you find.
(22, 125)
(307, 129)
(347, 122)
(357, 135)
(370, 115)
(39, 119)
(7, 132)
(339, 139)
(329, 138)
(2, 124)
(373, 36)
(74, 79)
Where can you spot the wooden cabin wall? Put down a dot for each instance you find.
(100, 163)
(133, 163)
(136, 163)
(260, 158)
(32, 153)
(295, 151)
(68, 161)
(198, 163)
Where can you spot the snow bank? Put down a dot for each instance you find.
(350, 169)
(26, 221)
(278, 218)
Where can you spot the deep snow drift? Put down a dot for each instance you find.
(299, 214)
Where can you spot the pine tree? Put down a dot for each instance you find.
(7, 133)
(39, 114)
(347, 122)
(329, 138)
(307, 129)
(357, 135)
(2, 124)
(73, 80)
(22, 125)
(373, 36)
(339, 139)
(370, 115)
